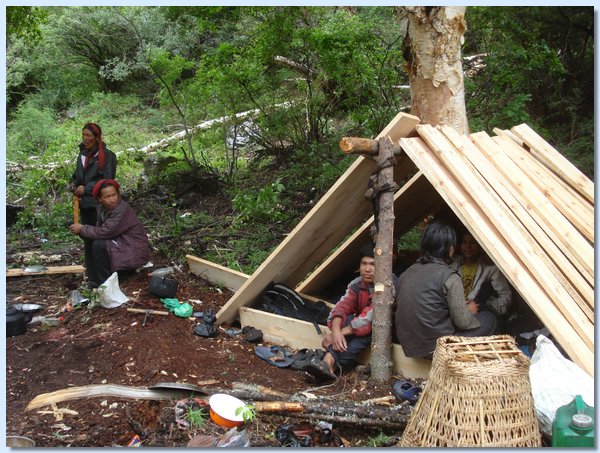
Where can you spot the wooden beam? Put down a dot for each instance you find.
(412, 202)
(487, 235)
(555, 161)
(296, 334)
(356, 145)
(334, 217)
(50, 270)
(216, 274)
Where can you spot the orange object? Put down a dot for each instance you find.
(223, 410)
(75, 209)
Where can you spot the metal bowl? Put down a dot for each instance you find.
(19, 441)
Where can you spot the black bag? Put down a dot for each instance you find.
(284, 301)
(163, 286)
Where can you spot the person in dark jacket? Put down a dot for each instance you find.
(119, 240)
(94, 162)
(430, 298)
(350, 321)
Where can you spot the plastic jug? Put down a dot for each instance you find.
(573, 425)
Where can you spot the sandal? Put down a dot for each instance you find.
(274, 355)
(405, 391)
(320, 370)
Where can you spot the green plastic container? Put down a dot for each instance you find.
(573, 425)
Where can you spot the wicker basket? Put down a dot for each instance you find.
(478, 395)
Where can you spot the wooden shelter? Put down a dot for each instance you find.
(530, 209)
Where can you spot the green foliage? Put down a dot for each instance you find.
(30, 132)
(248, 412)
(381, 440)
(262, 206)
(196, 417)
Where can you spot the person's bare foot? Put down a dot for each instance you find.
(330, 361)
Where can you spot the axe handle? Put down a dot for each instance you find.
(75, 209)
(152, 312)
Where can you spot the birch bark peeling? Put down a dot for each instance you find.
(434, 65)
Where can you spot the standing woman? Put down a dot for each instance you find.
(94, 162)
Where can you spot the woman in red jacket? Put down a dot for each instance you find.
(119, 240)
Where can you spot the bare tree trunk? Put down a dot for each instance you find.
(381, 344)
(433, 42)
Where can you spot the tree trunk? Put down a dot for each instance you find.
(381, 344)
(434, 64)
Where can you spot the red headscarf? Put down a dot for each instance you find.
(95, 129)
(101, 183)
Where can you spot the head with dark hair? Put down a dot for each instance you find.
(437, 241)
(367, 250)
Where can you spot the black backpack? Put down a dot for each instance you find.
(284, 301)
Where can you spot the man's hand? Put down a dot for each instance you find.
(338, 341)
(76, 228)
(79, 191)
(473, 307)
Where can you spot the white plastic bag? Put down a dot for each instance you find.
(111, 295)
(555, 381)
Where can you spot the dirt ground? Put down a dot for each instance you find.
(110, 346)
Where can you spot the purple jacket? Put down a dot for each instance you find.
(126, 239)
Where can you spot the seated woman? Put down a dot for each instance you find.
(430, 298)
(483, 283)
(119, 240)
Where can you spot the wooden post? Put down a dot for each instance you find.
(381, 344)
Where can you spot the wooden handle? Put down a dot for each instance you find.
(75, 209)
(152, 312)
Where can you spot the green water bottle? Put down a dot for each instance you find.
(573, 425)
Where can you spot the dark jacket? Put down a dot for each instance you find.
(126, 239)
(89, 176)
(422, 313)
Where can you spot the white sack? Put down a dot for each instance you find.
(555, 381)
(111, 295)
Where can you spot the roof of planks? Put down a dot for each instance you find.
(531, 210)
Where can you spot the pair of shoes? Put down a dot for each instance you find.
(252, 334)
(319, 369)
(304, 356)
(405, 391)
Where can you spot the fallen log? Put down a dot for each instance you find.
(343, 412)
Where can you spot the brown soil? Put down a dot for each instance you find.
(110, 346)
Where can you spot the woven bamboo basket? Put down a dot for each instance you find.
(478, 394)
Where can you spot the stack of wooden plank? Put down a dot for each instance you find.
(532, 212)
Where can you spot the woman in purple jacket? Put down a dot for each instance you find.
(119, 240)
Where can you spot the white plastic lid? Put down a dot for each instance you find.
(582, 421)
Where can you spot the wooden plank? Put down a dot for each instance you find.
(509, 134)
(564, 268)
(530, 234)
(513, 232)
(50, 270)
(563, 188)
(335, 215)
(231, 279)
(216, 274)
(412, 202)
(564, 234)
(581, 215)
(297, 334)
(555, 161)
(512, 267)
